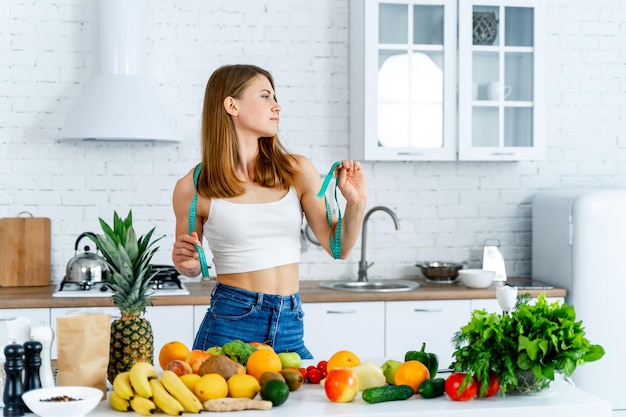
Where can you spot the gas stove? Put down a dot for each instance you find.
(166, 282)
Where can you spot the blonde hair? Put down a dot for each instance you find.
(275, 166)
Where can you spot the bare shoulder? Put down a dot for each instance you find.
(309, 179)
(305, 167)
(184, 189)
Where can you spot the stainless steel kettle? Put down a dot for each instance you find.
(85, 268)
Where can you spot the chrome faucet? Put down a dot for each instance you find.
(363, 265)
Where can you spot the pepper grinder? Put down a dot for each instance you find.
(45, 335)
(13, 388)
(32, 363)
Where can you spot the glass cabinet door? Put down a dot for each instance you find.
(501, 107)
(403, 80)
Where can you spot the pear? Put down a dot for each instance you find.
(389, 369)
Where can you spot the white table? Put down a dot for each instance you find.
(310, 401)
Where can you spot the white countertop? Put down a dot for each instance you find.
(310, 401)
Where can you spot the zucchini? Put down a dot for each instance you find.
(387, 393)
(432, 388)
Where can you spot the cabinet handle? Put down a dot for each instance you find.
(427, 310)
(502, 153)
(340, 311)
(7, 318)
(410, 153)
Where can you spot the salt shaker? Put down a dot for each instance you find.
(2, 379)
(44, 335)
(13, 387)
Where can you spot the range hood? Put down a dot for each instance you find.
(119, 103)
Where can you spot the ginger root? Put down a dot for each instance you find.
(235, 404)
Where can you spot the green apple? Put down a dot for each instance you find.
(215, 350)
(389, 370)
(290, 359)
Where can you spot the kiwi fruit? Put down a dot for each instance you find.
(269, 375)
(293, 378)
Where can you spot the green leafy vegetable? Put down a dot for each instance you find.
(543, 339)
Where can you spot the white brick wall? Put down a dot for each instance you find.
(446, 209)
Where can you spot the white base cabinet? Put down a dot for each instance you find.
(492, 305)
(411, 323)
(169, 323)
(37, 316)
(199, 311)
(355, 326)
(373, 329)
(389, 329)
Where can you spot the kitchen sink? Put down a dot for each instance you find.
(383, 285)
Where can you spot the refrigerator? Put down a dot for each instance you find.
(579, 243)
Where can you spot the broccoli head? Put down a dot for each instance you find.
(238, 350)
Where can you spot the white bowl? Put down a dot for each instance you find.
(85, 400)
(476, 278)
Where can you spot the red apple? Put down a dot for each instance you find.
(261, 345)
(341, 385)
(179, 367)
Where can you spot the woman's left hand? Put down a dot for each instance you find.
(351, 181)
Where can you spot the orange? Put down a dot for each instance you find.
(263, 360)
(411, 373)
(342, 358)
(172, 351)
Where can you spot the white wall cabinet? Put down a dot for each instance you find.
(501, 80)
(411, 101)
(355, 326)
(411, 323)
(403, 80)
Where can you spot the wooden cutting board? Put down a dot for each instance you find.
(24, 252)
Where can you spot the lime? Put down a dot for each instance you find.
(275, 391)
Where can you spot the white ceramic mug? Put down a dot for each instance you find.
(474, 91)
(493, 90)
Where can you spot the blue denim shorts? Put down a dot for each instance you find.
(253, 317)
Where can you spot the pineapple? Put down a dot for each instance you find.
(128, 259)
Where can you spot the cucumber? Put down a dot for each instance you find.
(387, 393)
(432, 388)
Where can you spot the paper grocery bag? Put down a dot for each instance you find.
(83, 350)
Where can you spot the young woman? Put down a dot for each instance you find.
(249, 195)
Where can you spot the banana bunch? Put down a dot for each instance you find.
(141, 390)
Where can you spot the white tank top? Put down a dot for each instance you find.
(252, 237)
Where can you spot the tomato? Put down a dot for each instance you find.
(493, 387)
(321, 365)
(305, 374)
(341, 385)
(315, 376)
(453, 384)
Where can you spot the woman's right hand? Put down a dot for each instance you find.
(185, 255)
